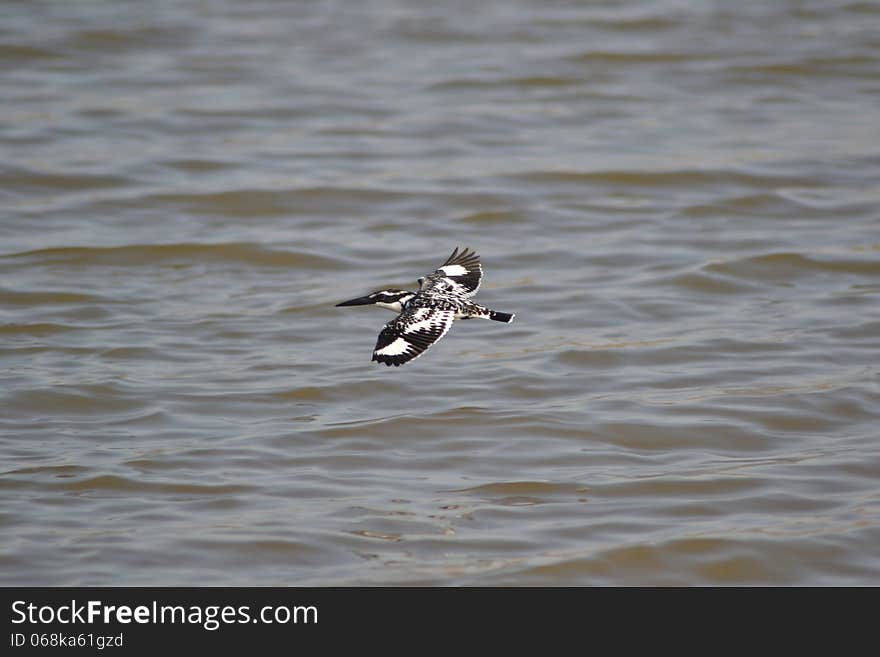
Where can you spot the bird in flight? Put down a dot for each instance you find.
(426, 316)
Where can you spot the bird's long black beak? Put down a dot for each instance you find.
(360, 301)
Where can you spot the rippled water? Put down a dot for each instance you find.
(680, 200)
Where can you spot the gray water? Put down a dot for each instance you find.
(679, 200)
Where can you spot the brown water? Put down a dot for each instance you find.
(679, 199)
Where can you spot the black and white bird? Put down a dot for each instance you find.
(426, 316)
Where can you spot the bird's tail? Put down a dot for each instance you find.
(507, 318)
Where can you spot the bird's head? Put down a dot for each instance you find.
(390, 299)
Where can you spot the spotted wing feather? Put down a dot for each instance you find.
(409, 335)
(460, 274)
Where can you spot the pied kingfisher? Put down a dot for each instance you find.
(425, 316)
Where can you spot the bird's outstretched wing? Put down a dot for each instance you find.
(411, 334)
(460, 274)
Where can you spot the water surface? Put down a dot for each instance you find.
(679, 200)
